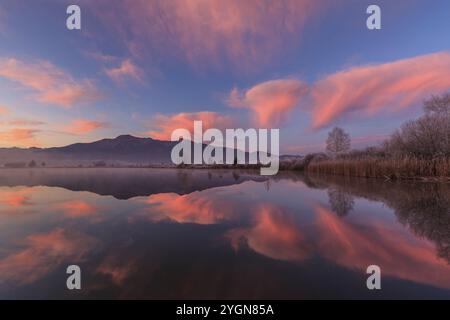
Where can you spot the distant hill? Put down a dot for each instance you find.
(121, 151)
(124, 149)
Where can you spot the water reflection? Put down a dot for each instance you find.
(422, 207)
(341, 202)
(125, 183)
(273, 233)
(396, 252)
(221, 235)
(16, 198)
(196, 207)
(42, 253)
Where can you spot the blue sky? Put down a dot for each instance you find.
(146, 67)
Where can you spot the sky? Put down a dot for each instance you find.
(148, 67)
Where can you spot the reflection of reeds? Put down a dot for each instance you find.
(424, 207)
(393, 168)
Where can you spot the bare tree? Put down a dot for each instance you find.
(439, 107)
(437, 104)
(338, 141)
(427, 136)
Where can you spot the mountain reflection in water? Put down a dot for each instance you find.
(167, 233)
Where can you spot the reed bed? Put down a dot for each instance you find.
(407, 167)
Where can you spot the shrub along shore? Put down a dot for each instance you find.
(420, 149)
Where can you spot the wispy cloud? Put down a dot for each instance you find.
(100, 56)
(53, 85)
(126, 70)
(367, 90)
(19, 137)
(351, 93)
(271, 101)
(84, 126)
(22, 122)
(208, 33)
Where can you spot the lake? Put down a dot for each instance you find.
(206, 234)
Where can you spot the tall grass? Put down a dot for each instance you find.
(407, 167)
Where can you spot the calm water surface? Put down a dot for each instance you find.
(194, 234)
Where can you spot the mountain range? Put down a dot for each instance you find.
(123, 150)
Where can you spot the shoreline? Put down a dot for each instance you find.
(306, 171)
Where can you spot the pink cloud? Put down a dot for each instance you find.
(371, 89)
(246, 34)
(270, 102)
(164, 125)
(54, 85)
(127, 69)
(83, 126)
(19, 137)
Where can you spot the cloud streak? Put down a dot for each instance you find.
(359, 91)
(20, 137)
(84, 126)
(126, 70)
(21, 122)
(239, 33)
(270, 102)
(53, 85)
(371, 89)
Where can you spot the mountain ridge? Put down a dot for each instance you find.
(124, 149)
